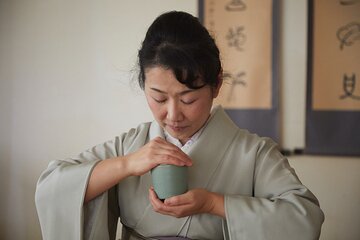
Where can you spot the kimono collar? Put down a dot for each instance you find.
(193, 138)
(208, 150)
(157, 131)
(207, 153)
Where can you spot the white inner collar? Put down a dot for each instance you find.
(193, 138)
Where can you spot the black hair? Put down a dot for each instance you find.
(179, 42)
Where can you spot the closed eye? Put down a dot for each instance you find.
(188, 102)
(159, 100)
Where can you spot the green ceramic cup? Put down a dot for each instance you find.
(169, 180)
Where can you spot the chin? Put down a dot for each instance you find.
(177, 135)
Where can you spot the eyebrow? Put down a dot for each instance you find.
(181, 93)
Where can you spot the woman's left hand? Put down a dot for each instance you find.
(195, 201)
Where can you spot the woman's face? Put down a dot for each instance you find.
(181, 111)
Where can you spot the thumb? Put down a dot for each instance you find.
(176, 200)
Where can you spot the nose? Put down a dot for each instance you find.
(174, 112)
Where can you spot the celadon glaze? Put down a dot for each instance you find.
(169, 180)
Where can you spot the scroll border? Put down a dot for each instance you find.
(327, 132)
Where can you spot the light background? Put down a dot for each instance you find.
(64, 87)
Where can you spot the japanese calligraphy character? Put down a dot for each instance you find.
(236, 80)
(349, 87)
(348, 34)
(236, 38)
(235, 5)
(348, 2)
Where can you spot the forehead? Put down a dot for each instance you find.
(162, 77)
(163, 80)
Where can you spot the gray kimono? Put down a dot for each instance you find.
(264, 199)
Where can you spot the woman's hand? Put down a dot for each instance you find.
(109, 172)
(193, 202)
(157, 151)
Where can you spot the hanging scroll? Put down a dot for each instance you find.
(333, 97)
(244, 32)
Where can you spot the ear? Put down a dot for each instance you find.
(217, 88)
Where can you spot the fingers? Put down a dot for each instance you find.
(155, 201)
(163, 208)
(177, 200)
(168, 153)
(194, 201)
(156, 152)
(165, 158)
(152, 196)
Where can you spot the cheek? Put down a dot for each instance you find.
(200, 112)
(197, 113)
(151, 104)
(156, 109)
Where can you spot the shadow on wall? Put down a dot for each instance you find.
(5, 149)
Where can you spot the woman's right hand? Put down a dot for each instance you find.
(109, 172)
(157, 151)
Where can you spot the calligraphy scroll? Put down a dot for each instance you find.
(245, 32)
(333, 96)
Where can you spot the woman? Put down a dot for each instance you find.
(240, 186)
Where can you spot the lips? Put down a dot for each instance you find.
(176, 128)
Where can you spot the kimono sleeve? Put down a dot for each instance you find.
(280, 208)
(60, 195)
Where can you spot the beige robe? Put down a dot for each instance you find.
(264, 198)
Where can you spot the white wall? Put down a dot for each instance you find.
(65, 70)
(335, 181)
